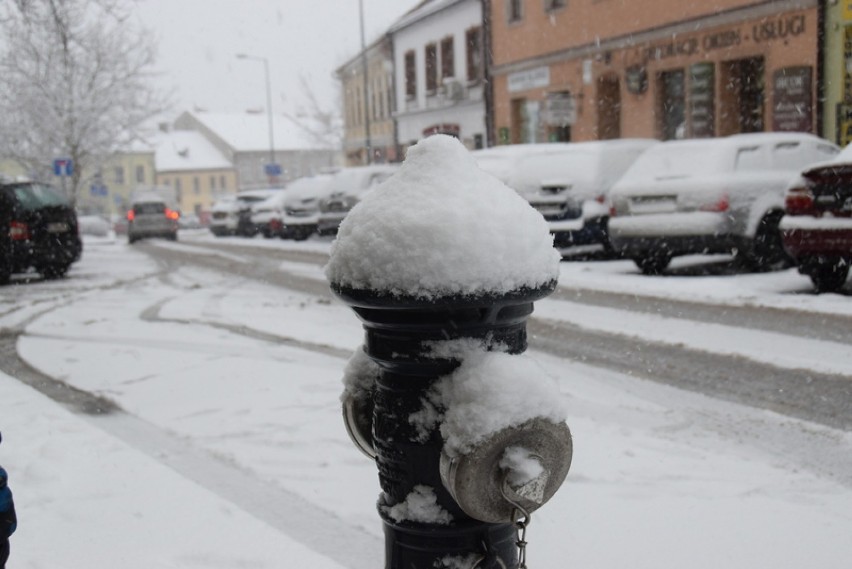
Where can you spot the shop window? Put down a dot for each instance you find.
(473, 42)
(448, 63)
(410, 75)
(431, 55)
(671, 105)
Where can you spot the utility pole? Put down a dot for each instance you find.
(365, 70)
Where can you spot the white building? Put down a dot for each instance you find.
(439, 69)
(244, 139)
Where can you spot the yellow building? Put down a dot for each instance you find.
(120, 176)
(373, 116)
(195, 170)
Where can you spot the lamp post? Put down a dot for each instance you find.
(271, 171)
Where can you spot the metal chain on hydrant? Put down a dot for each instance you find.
(521, 519)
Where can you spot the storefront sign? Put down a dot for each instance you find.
(702, 77)
(531, 79)
(559, 109)
(774, 29)
(844, 124)
(847, 10)
(792, 107)
(636, 79)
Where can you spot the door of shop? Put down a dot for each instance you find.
(609, 108)
(742, 94)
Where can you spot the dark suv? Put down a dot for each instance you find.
(38, 228)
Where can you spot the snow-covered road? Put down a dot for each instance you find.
(230, 451)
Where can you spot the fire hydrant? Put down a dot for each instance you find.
(442, 264)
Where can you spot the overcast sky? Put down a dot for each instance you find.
(198, 40)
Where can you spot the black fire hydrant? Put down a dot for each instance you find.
(442, 264)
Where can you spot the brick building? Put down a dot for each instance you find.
(598, 69)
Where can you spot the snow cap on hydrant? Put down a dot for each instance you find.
(442, 227)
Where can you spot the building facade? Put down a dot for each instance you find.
(598, 69)
(439, 72)
(368, 118)
(194, 170)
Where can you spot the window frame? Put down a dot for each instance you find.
(514, 11)
(430, 54)
(448, 58)
(410, 70)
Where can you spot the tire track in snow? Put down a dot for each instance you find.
(288, 512)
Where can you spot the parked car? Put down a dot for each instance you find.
(189, 221)
(231, 215)
(817, 227)
(38, 228)
(716, 195)
(150, 216)
(94, 225)
(345, 190)
(268, 215)
(568, 183)
(301, 206)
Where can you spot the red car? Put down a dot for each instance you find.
(817, 227)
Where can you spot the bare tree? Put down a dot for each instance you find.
(76, 83)
(322, 126)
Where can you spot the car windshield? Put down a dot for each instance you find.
(678, 160)
(567, 166)
(35, 196)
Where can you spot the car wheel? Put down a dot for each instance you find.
(52, 272)
(5, 271)
(653, 263)
(767, 249)
(829, 277)
(301, 235)
(5, 261)
(131, 240)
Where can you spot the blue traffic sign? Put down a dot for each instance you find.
(63, 167)
(272, 169)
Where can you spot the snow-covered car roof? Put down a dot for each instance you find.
(308, 187)
(712, 156)
(354, 180)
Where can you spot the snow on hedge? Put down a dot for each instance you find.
(439, 227)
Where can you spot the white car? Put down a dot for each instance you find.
(717, 195)
(268, 215)
(345, 190)
(301, 206)
(231, 215)
(568, 183)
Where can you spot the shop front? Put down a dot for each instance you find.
(750, 71)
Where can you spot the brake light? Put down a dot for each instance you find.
(720, 205)
(799, 201)
(172, 214)
(19, 231)
(612, 211)
(130, 215)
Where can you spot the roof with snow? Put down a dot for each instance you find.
(182, 150)
(421, 11)
(249, 132)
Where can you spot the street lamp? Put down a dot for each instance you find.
(271, 171)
